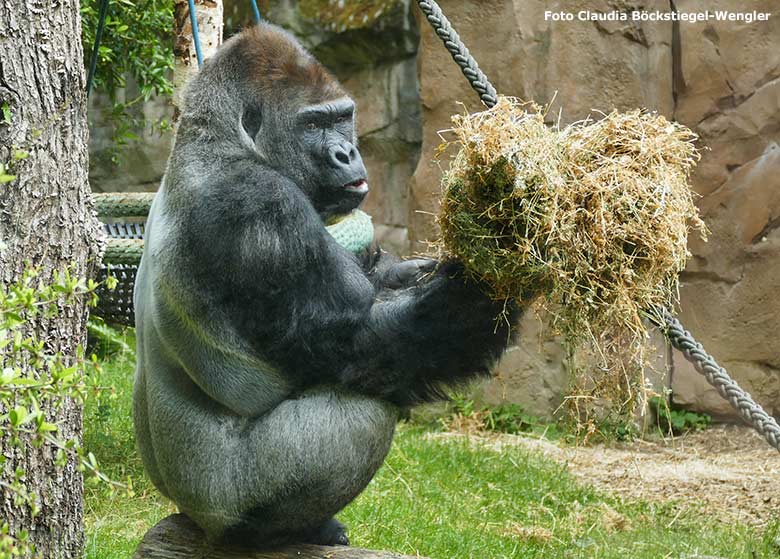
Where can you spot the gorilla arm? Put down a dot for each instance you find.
(308, 308)
(445, 331)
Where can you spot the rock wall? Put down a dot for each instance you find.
(722, 80)
(728, 86)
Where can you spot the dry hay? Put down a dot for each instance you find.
(593, 216)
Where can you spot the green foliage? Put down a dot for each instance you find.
(34, 384)
(510, 418)
(137, 41)
(503, 418)
(4, 175)
(105, 341)
(676, 422)
(612, 428)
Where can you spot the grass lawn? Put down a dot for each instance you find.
(437, 497)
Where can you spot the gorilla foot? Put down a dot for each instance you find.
(332, 532)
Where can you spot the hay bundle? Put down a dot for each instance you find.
(595, 215)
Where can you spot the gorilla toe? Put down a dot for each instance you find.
(332, 532)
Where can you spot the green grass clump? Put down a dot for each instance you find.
(115, 521)
(438, 495)
(463, 415)
(671, 421)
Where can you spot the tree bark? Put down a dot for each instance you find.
(46, 221)
(210, 25)
(177, 537)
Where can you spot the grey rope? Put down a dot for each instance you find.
(124, 251)
(680, 338)
(123, 204)
(460, 54)
(717, 376)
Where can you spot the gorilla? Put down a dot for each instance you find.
(272, 361)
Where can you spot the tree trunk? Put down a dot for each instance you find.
(46, 221)
(209, 16)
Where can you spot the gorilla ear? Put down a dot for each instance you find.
(251, 121)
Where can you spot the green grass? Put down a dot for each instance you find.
(114, 521)
(439, 497)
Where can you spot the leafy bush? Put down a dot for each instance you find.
(463, 414)
(34, 379)
(676, 422)
(138, 42)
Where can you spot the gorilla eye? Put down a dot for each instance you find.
(342, 119)
(311, 126)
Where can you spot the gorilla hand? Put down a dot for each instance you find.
(407, 273)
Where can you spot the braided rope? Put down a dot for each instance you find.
(195, 32)
(125, 245)
(256, 11)
(680, 338)
(124, 251)
(354, 232)
(460, 54)
(123, 204)
(717, 376)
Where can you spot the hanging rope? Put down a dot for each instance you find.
(195, 34)
(680, 338)
(256, 11)
(717, 376)
(459, 52)
(96, 47)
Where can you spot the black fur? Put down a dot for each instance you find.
(271, 362)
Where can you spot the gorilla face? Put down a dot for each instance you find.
(326, 134)
(314, 145)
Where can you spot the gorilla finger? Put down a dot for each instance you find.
(408, 272)
(424, 265)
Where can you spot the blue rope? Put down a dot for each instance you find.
(195, 34)
(256, 11)
(96, 46)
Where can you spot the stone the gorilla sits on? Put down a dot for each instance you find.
(272, 363)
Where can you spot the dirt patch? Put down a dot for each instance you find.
(729, 469)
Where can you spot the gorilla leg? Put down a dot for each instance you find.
(143, 435)
(281, 476)
(333, 443)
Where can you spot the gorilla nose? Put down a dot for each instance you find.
(343, 155)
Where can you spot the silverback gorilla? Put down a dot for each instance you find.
(272, 362)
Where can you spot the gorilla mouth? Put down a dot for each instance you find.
(359, 186)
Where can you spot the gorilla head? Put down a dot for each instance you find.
(298, 119)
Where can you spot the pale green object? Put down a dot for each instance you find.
(354, 231)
